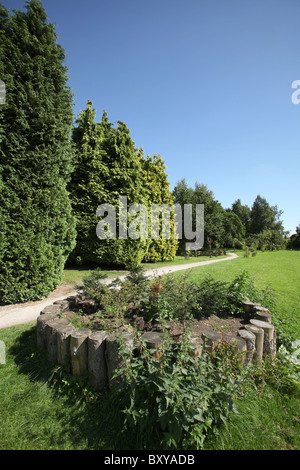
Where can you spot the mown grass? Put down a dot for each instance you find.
(35, 415)
(279, 270)
(266, 421)
(76, 275)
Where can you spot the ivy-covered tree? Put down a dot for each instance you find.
(107, 166)
(162, 248)
(37, 227)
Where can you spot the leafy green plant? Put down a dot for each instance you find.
(177, 399)
(170, 299)
(93, 288)
(211, 297)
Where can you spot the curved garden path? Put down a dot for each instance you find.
(18, 314)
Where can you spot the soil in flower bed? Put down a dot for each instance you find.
(85, 315)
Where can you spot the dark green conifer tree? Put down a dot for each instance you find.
(37, 226)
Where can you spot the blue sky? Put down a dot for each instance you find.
(205, 83)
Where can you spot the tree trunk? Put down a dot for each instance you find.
(79, 351)
(96, 358)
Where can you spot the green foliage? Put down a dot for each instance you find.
(178, 400)
(222, 228)
(93, 288)
(37, 227)
(294, 241)
(169, 299)
(260, 226)
(161, 249)
(211, 297)
(108, 166)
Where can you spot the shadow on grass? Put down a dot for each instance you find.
(87, 419)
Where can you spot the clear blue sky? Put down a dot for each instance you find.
(204, 83)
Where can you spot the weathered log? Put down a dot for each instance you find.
(197, 346)
(72, 300)
(51, 338)
(259, 341)
(79, 351)
(154, 341)
(263, 314)
(239, 344)
(210, 340)
(63, 304)
(51, 309)
(63, 344)
(250, 307)
(249, 338)
(269, 343)
(96, 358)
(41, 326)
(113, 356)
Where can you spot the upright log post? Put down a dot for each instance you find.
(153, 341)
(51, 338)
(41, 325)
(210, 340)
(79, 351)
(249, 338)
(63, 344)
(259, 341)
(113, 357)
(269, 337)
(96, 358)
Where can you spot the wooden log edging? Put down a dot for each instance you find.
(98, 353)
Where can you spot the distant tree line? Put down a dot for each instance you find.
(258, 227)
(54, 175)
(294, 241)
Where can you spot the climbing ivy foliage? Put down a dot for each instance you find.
(107, 167)
(37, 227)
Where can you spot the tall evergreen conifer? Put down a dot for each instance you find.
(37, 227)
(107, 166)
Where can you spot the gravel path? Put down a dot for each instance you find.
(28, 312)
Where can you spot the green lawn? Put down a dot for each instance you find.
(34, 415)
(279, 269)
(74, 276)
(38, 417)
